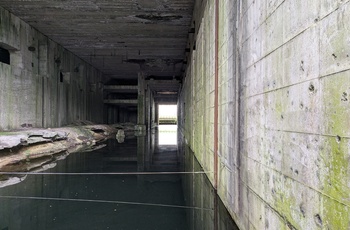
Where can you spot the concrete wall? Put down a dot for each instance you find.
(284, 85)
(44, 85)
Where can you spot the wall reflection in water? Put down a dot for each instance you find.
(200, 193)
(98, 197)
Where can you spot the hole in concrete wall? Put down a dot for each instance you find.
(302, 66)
(4, 56)
(302, 210)
(61, 77)
(65, 77)
(311, 89)
(338, 139)
(344, 97)
(31, 48)
(318, 220)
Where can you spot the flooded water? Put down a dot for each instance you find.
(140, 183)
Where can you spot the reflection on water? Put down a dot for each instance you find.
(167, 134)
(200, 193)
(94, 190)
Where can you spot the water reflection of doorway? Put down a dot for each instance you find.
(167, 135)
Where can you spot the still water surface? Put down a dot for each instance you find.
(121, 186)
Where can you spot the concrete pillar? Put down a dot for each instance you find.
(148, 108)
(156, 116)
(141, 110)
(153, 111)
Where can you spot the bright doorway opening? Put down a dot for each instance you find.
(167, 114)
(167, 129)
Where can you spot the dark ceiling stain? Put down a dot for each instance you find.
(155, 17)
(136, 61)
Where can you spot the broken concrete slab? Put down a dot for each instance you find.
(26, 150)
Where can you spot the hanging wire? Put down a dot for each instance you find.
(105, 201)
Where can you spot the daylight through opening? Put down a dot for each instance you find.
(167, 128)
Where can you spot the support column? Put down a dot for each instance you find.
(153, 111)
(216, 99)
(216, 114)
(156, 116)
(141, 110)
(148, 108)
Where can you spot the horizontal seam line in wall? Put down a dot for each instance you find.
(315, 134)
(247, 9)
(263, 201)
(320, 19)
(226, 60)
(335, 73)
(283, 87)
(310, 187)
(291, 39)
(298, 83)
(285, 43)
(278, 213)
(264, 20)
(336, 9)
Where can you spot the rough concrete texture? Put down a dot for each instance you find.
(120, 38)
(284, 84)
(44, 85)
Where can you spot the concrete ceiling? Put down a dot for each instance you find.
(119, 37)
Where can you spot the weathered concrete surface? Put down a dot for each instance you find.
(45, 85)
(114, 36)
(25, 150)
(284, 84)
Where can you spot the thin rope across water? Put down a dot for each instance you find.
(101, 173)
(105, 201)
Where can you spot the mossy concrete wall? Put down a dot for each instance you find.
(44, 85)
(284, 85)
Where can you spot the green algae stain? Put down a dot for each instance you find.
(336, 213)
(336, 156)
(284, 204)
